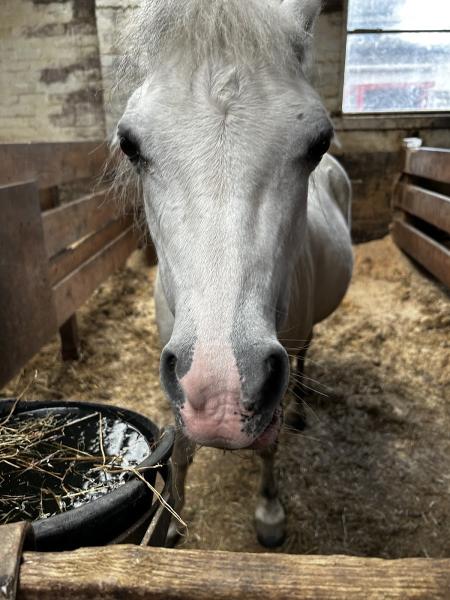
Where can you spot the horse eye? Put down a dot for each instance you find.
(129, 148)
(320, 146)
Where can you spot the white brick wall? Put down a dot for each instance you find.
(50, 78)
(112, 15)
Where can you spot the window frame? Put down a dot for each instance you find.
(430, 119)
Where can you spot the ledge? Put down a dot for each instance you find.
(371, 122)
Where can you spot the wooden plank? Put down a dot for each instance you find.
(426, 251)
(430, 163)
(12, 537)
(27, 313)
(72, 291)
(70, 340)
(71, 222)
(130, 572)
(430, 206)
(51, 163)
(67, 261)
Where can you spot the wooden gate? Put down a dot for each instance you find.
(421, 199)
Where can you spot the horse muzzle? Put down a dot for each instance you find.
(224, 402)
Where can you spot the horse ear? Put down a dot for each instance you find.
(304, 13)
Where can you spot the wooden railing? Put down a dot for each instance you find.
(52, 257)
(132, 572)
(51, 164)
(120, 571)
(421, 225)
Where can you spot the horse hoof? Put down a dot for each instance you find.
(270, 537)
(270, 523)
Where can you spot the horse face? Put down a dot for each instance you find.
(225, 155)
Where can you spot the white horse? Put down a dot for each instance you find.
(248, 214)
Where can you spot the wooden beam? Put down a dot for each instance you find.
(27, 313)
(72, 291)
(67, 224)
(390, 122)
(426, 251)
(425, 204)
(51, 163)
(430, 163)
(70, 340)
(130, 572)
(74, 256)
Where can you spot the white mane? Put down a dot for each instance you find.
(246, 32)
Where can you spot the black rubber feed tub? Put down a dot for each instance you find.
(108, 518)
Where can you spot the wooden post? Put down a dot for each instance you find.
(27, 311)
(70, 340)
(12, 539)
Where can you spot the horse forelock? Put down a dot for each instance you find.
(232, 36)
(239, 31)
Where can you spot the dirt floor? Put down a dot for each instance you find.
(370, 476)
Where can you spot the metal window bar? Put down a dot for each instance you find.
(381, 31)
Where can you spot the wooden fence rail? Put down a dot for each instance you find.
(131, 572)
(52, 257)
(51, 164)
(71, 222)
(430, 163)
(421, 200)
(72, 291)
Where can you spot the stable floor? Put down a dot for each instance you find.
(370, 475)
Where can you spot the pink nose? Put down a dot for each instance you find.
(219, 403)
(212, 413)
(213, 371)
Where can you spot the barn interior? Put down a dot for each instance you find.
(369, 475)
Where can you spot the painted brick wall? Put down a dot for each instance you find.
(112, 16)
(50, 76)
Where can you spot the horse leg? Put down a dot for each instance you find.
(270, 518)
(295, 415)
(182, 456)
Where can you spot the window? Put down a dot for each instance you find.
(398, 56)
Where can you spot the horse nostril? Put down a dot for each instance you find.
(171, 363)
(271, 364)
(274, 364)
(276, 374)
(266, 379)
